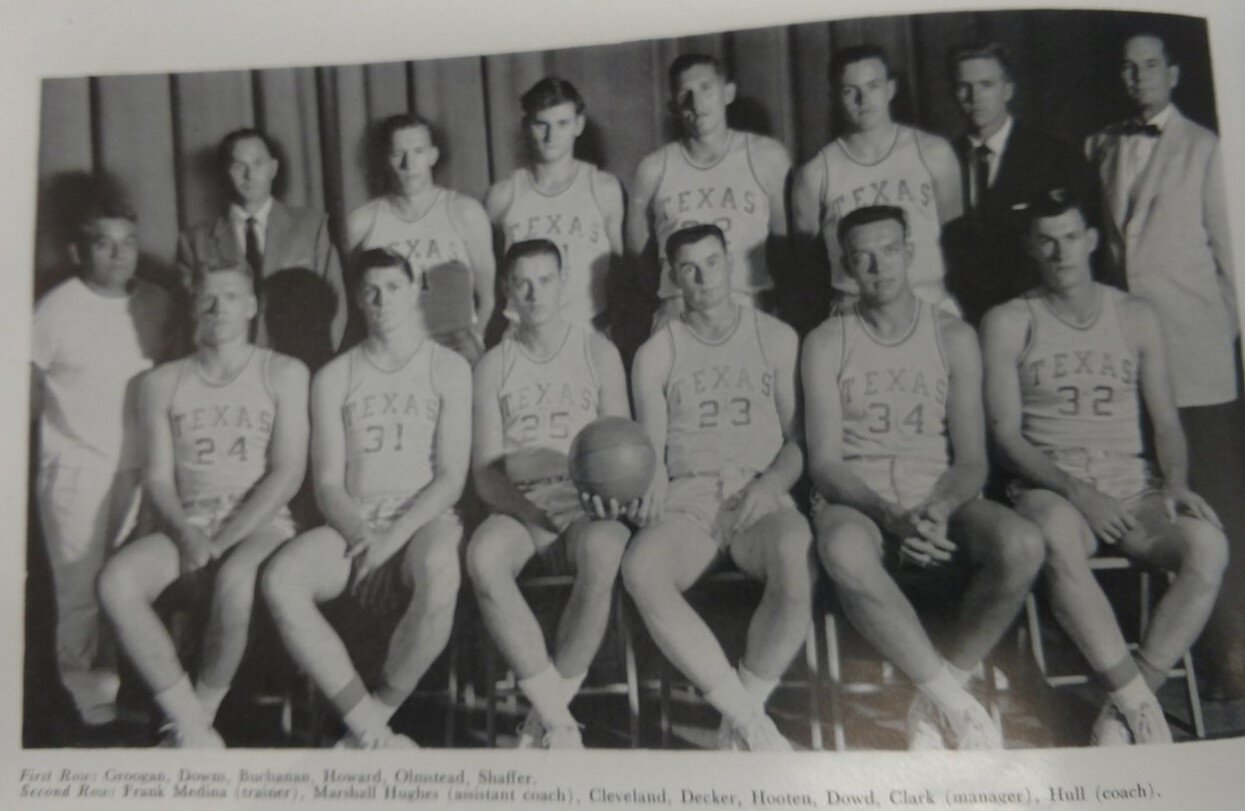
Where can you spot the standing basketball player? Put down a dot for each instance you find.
(712, 174)
(533, 394)
(715, 388)
(93, 336)
(877, 161)
(391, 433)
(897, 453)
(444, 236)
(226, 432)
(574, 204)
(1068, 367)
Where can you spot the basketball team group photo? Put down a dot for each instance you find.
(851, 385)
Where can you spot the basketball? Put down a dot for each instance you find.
(612, 458)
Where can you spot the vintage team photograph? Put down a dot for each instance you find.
(866, 384)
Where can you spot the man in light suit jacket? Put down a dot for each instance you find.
(1166, 224)
(1004, 162)
(298, 275)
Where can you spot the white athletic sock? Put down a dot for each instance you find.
(180, 705)
(961, 676)
(1132, 695)
(571, 685)
(947, 695)
(369, 718)
(546, 691)
(210, 697)
(733, 700)
(757, 687)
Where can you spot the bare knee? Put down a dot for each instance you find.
(849, 554)
(647, 573)
(1067, 540)
(1017, 555)
(600, 556)
(787, 561)
(283, 586)
(117, 586)
(1205, 553)
(436, 575)
(486, 558)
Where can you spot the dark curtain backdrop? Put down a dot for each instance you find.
(155, 133)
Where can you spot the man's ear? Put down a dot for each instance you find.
(728, 91)
(75, 254)
(1092, 237)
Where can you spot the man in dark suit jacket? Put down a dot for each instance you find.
(1003, 163)
(298, 274)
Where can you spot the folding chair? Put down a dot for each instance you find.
(1145, 598)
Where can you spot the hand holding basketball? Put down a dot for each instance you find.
(612, 459)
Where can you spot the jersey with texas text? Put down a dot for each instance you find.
(544, 404)
(720, 400)
(901, 178)
(390, 417)
(1078, 383)
(572, 219)
(435, 248)
(894, 393)
(221, 430)
(727, 194)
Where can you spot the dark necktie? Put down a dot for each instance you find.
(1137, 128)
(254, 256)
(981, 175)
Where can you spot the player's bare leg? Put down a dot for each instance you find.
(850, 546)
(595, 549)
(498, 552)
(229, 622)
(431, 569)
(1007, 552)
(662, 562)
(309, 570)
(1197, 552)
(128, 588)
(1083, 611)
(775, 550)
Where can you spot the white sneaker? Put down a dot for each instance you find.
(759, 734)
(1110, 728)
(562, 736)
(531, 731)
(174, 737)
(388, 739)
(973, 728)
(728, 738)
(924, 732)
(1148, 724)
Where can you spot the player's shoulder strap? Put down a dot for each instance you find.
(1030, 300)
(586, 339)
(265, 358)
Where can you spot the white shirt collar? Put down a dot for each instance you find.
(1163, 116)
(998, 141)
(238, 215)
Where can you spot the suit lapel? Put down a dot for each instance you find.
(225, 239)
(1160, 157)
(275, 237)
(1112, 171)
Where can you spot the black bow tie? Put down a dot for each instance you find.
(1137, 128)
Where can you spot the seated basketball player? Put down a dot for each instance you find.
(1069, 366)
(391, 432)
(897, 454)
(533, 393)
(444, 236)
(715, 390)
(226, 436)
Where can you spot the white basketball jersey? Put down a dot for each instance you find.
(437, 253)
(902, 179)
(221, 430)
(390, 417)
(544, 404)
(573, 220)
(727, 194)
(720, 400)
(894, 393)
(1078, 383)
